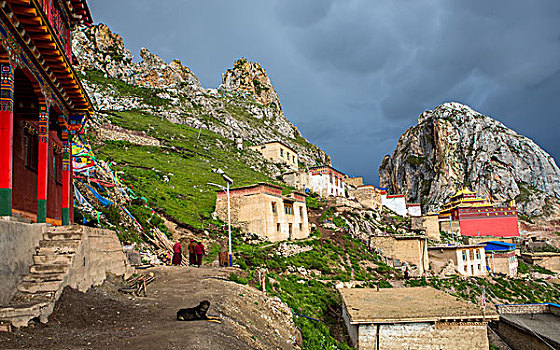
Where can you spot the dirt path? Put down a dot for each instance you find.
(103, 318)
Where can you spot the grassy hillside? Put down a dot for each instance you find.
(186, 158)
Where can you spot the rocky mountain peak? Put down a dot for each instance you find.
(454, 146)
(252, 78)
(98, 48)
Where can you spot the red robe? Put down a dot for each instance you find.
(177, 254)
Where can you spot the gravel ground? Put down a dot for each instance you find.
(104, 318)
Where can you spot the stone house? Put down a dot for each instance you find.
(298, 179)
(354, 181)
(278, 152)
(468, 260)
(500, 257)
(263, 210)
(374, 198)
(327, 181)
(547, 260)
(411, 249)
(529, 326)
(413, 318)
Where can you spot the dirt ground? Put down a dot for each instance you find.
(104, 318)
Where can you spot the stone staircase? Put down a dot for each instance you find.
(39, 290)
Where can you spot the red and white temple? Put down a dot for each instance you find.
(42, 103)
(475, 216)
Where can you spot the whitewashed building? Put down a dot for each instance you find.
(469, 260)
(327, 181)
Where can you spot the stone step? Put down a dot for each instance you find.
(58, 246)
(62, 235)
(43, 277)
(51, 258)
(23, 299)
(19, 316)
(34, 287)
(59, 229)
(50, 268)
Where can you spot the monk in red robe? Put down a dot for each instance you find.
(177, 254)
(199, 250)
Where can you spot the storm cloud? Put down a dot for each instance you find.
(354, 75)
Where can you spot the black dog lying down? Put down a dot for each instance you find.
(196, 313)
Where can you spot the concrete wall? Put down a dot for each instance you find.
(414, 210)
(365, 196)
(426, 336)
(413, 250)
(100, 253)
(18, 242)
(351, 328)
(396, 204)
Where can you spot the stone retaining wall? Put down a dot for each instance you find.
(18, 242)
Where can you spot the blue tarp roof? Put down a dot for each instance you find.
(497, 245)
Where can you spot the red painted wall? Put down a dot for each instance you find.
(24, 195)
(505, 226)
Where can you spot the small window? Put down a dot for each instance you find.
(281, 152)
(274, 208)
(288, 209)
(31, 150)
(301, 212)
(464, 253)
(300, 227)
(277, 227)
(57, 166)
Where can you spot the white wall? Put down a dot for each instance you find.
(397, 204)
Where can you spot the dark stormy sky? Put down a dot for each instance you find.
(353, 75)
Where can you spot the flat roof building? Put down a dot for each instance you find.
(413, 318)
(467, 260)
(327, 181)
(278, 152)
(263, 210)
(411, 249)
(500, 257)
(529, 326)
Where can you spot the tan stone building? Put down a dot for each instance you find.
(412, 249)
(263, 210)
(278, 152)
(413, 318)
(467, 260)
(547, 260)
(354, 181)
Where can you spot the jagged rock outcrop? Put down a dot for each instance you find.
(454, 146)
(245, 107)
(251, 77)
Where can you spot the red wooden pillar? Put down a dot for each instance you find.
(6, 137)
(66, 176)
(42, 176)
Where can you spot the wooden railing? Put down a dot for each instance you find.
(60, 23)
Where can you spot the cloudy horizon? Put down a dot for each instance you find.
(354, 75)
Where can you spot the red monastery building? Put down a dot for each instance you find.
(42, 103)
(475, 216)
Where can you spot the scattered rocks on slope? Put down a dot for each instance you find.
(246, 106)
